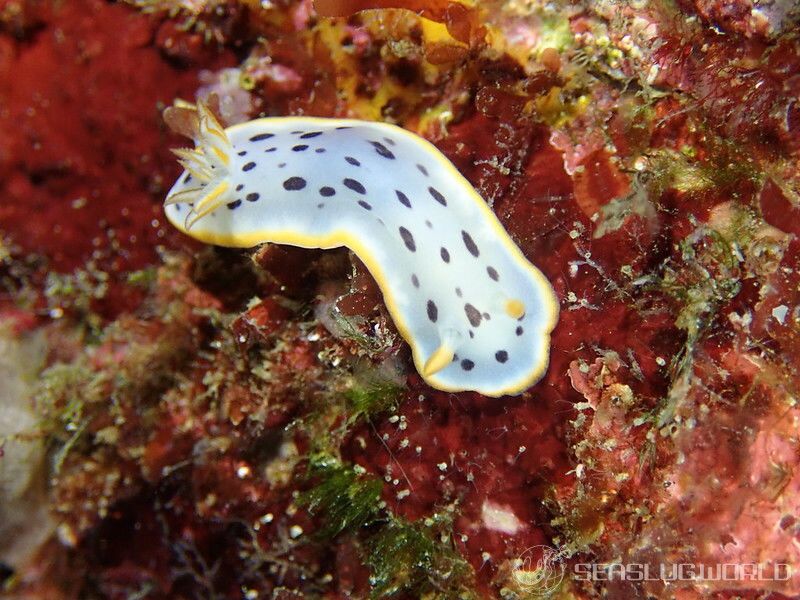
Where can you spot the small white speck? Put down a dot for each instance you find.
(313, 337)
(652, 74)
(403, 494)
(660, 361)
(267, 518)
(418, 449)
(66, 535)
(394, 419)
(442, 466)
(521, 449)
(295, 531)
(500, 518)
(741, 320)
(243, 471)
(780, 312)
(404, 443)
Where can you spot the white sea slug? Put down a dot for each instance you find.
(476, 313)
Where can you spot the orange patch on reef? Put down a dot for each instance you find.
(345, 8)
(599, 182)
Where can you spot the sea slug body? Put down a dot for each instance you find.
(475, 312)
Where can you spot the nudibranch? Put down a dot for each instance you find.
(476, 313)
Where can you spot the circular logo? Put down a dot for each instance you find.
(539, 571)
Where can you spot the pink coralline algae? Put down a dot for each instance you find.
(226, 424)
